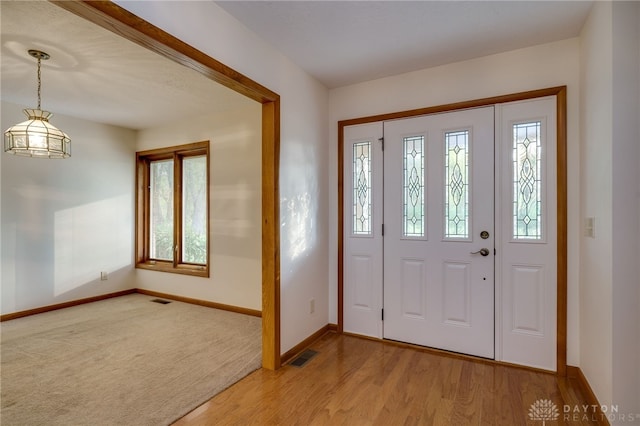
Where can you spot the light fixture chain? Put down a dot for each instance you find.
(39, 82)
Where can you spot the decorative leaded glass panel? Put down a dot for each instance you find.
(413, 187)
(362, 188)
(456, 166)
(527, 181)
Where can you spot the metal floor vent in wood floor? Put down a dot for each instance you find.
(303, 358)
(162, 302)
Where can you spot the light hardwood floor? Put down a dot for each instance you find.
(354, 381)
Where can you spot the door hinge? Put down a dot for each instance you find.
(382, 314)
(383, 229)
(381, 140)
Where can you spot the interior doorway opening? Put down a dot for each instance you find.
(118, 20)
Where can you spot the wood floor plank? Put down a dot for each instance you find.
(354, 381)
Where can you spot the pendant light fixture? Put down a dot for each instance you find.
(36, 137)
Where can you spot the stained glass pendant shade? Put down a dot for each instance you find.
(36, 137)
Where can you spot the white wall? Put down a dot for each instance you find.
(303, 156)
(65, 221)
(626, 208)
(610, 117)
(235, 206)
(596, 174)
(537, 67)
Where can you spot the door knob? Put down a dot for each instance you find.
(482, 251)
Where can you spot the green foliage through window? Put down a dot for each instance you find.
(172, 224)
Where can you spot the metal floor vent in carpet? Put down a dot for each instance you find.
(303, 358)
(162, 302)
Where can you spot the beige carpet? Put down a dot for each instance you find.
(123, 361)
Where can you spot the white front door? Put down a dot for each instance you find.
(444, 188)
(439, 231)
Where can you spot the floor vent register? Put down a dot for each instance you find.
(303, 358)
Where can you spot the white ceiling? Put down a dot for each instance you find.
(346, 42)
(97, 75)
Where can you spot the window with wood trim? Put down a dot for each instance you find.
(172, 209)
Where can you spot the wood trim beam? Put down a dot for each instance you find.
(340, 325)
(271, 235)
(122, 22)
(531, 94)
(561, 98)
(562, 245)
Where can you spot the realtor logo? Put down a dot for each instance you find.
(543, 409)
